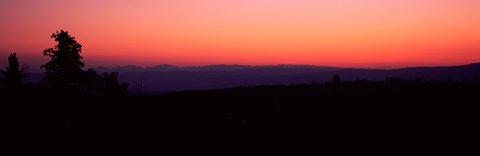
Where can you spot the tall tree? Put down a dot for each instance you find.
(64, 70)
(64, 73)
(13, 76)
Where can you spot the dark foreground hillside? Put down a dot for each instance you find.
(392, 115)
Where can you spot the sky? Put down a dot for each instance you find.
(345, 33)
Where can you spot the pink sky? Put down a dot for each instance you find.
(355, 33)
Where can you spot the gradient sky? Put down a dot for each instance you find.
(354, 33)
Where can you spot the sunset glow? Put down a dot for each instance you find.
(353, 33)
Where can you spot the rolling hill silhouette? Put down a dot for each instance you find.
(168, 78)
(385, 114)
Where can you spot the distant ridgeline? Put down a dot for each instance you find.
(167, 78)
(236, 106)
(64, 75)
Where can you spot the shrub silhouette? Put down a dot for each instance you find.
(336, 79)
(91, 81)
(109, 85)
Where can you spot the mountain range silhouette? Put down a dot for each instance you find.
(169, 78)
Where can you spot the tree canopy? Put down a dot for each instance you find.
(64, 70)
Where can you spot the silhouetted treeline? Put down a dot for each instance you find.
(64, 74)
(393, 115)
(361, 115)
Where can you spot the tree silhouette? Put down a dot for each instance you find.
(91, 81)
(64, 73)
(64, 70)
(109, 85)
(13, 76)
(336, 79)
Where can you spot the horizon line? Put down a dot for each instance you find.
(246, 65)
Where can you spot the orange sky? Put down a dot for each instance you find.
(354, 33)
